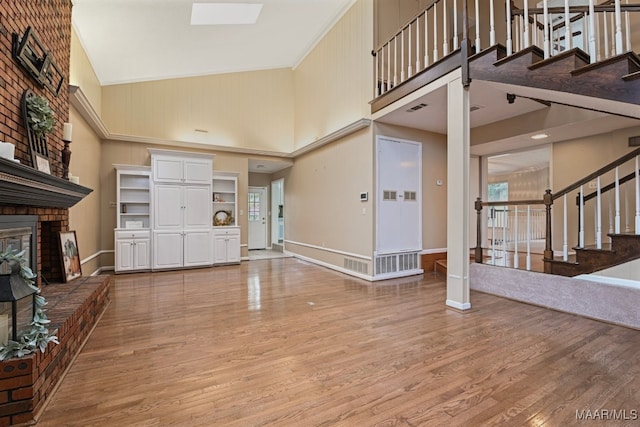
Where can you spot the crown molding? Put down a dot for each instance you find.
(332, 137)
(78, 99)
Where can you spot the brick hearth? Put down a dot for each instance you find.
(26, 383)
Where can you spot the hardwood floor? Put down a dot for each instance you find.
(285, 343)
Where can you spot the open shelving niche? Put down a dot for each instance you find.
(133, 197)
(225, 195)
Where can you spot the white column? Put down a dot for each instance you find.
(458, 205)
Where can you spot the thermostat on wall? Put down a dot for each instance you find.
(364, 196)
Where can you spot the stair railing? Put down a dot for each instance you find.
(434, 33)
(625, 172)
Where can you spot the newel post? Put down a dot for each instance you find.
(548, 252)
(478, 251)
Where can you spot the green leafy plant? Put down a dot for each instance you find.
(38, 337)
(40, 116)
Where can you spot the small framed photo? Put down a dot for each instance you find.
(42, 164)
(70, 256)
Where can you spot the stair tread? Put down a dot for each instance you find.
(575, 52)
(530, 50)
(627, 56)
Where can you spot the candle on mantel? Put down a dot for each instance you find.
(66, 132)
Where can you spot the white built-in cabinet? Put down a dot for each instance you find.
(165, 213)
(182, 214)
(132, 233)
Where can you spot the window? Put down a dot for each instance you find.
(254, 207)
(498, 191)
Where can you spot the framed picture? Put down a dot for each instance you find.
(70, 256)
(42, 164)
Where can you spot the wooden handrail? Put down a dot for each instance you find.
(514, 203)
(597, 173)
(578, 9)
(606, 188)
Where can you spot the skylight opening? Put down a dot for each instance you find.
(225, 13)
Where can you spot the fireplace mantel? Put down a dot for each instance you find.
(23, 185)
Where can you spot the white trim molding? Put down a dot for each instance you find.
(459, 306)
(331, 266)
(80, 102)
(433, 251)
(335, 251)
(334, 136)
(95, 255)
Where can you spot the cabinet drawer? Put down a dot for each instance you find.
(133, 234)
(231, 231)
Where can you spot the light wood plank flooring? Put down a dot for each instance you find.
(285, 343)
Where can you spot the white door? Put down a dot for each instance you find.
(168, 207)
(257, 211)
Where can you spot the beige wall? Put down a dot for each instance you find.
(524, 185)
(334, 83)
(434, 167)
(322, 204)
(86, 217)
(251, 110)
(81, 74)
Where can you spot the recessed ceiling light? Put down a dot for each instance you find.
(539, 136)
(225, 13)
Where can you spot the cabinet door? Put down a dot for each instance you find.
(168, 208)
(167, 249)
(197, 171)
(124, 255)
(197, 207)
(166, 169)
(142, 254)
(219, 249)
(233, 248)
(197, 248)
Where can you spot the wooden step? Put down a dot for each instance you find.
(564, 62)
(529, 56)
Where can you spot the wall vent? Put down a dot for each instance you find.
(409, 196)
(397, 263)
(357, 266)
(389, 195)
(417, 107)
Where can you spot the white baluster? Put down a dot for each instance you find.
(610, 218)
(627, 224)
(377, 89)
(455, 24)
(410, 73)
(395, 60)
(637, 171)
(618, 14)
(418, 45)
(388, 66)
(516, 262)
(509, 30)
(597, 37)
(525, 43)
(426, 40)
(516, 30)
(585, 32)
(528, 237)
(598, 215)
(445, 37)
(568, 36)
(435, 32)
(565, 242)
(617, 218)
(535, 30)
(493, 236)
(545, 30)
(627, 27)
(477, 27)
(504, 235)
(582, 207)
(492, 24)
(606, 36)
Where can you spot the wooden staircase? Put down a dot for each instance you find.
(615, 79)
(623, 248)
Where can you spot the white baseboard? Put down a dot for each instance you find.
(459, 306)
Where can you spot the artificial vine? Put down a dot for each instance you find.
(38, 337)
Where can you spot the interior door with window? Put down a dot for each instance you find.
(257, 211)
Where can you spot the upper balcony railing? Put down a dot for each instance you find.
(602, 30)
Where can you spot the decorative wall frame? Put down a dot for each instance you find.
(69, 255)
(33, 56)
(37, 143)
